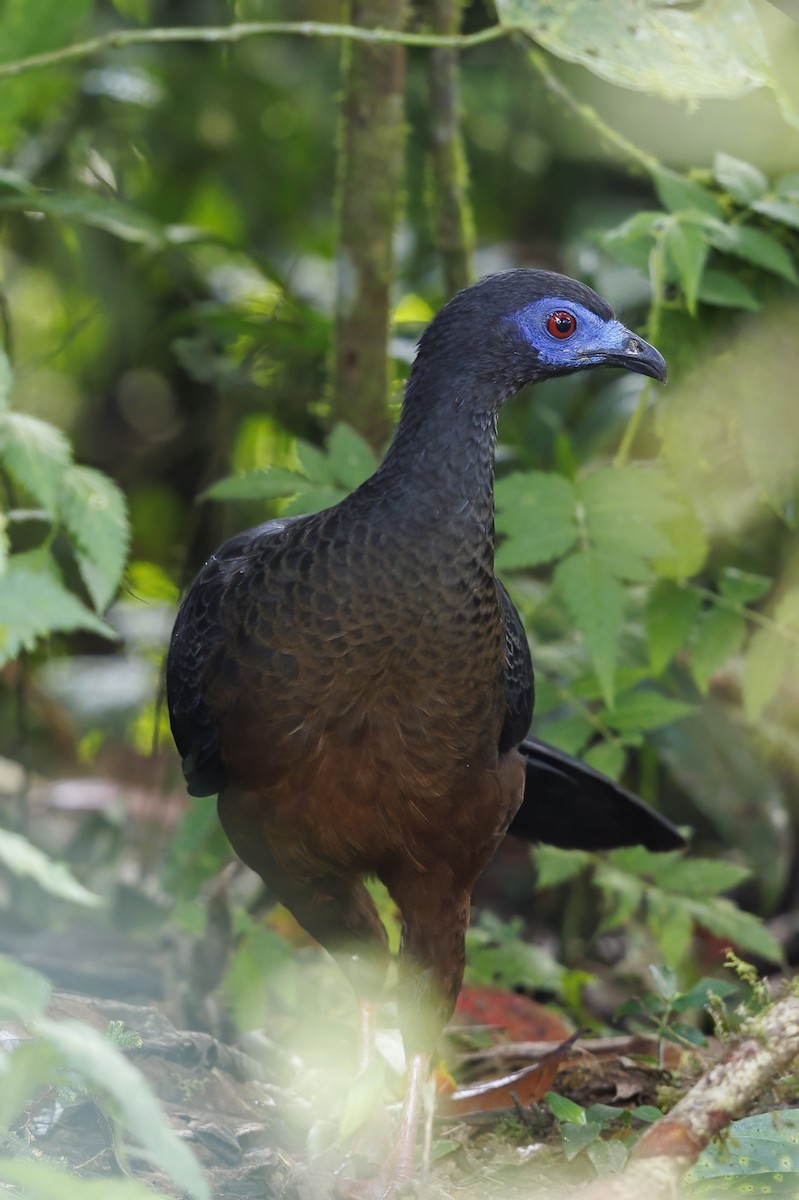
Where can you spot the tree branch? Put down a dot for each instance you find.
(239, 32)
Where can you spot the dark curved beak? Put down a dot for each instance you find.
(637, 355)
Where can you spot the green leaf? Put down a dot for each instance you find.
(23, 993)
(624, 508)
(716, 49)
(6, 380)
(788, 185)
(94, 512)
(745, 931)
(315, 463)
(681, 195)
(95, 211)
(351, 459)
(35, 454)
(96, 1060)
(756, 1156)
(364, 1096)
(786, 212)
(21, 857)
(536, 517)
(672, 927)
(670, 615)
(726, 291)
(607, 757)
(754, 246)
(765, 666)
(741, 180)
(569, 733)
(640, 711)
(698, 877)
(687, 248)
(719, 637)
(564, 1109)
(689, 546)
(33, 604)
(554, 866)
(595, 599)
(743, 587)
(41, 1181)
(313, 499)
(262, 484)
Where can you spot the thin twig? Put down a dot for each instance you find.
(242, 30)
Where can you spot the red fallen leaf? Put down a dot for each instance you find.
(507, 1093)
(518, 1017)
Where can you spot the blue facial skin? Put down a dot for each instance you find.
(594, 341)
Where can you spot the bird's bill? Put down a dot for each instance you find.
(634, 354)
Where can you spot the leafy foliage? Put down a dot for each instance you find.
(757, 1155)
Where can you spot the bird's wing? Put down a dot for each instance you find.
(197, 635)
(569, 804)
(518, 675)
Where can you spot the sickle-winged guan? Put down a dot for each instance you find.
(357, 687)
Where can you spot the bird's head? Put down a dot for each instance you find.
(524, 326)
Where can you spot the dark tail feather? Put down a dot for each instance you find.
(568, 804)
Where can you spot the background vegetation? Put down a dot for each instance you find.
(181, 266)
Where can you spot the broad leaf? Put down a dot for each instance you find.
(36, 455)
(681, 195)
(687, 248)
(23, 993)
(595, 599)
(607, 757)
(264, 484)
(726, 291)
(765, 666)
(786, 212)
(21, 857)
(670, 615)
(756, 1156)
(698, 877)
(6, 380)
(640, 711)
(672, 926)
(745, 931)
(743, 587)
(94, 512)
(42, 1181)
(716, 49)
(33, 604)
(96, 211)
(744, 182)
(624, 508)
(96, 1060)
(754, 246)
(536, 517)
(719, 636)
(554, 866)
(351, 458)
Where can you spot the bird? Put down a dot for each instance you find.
(356, 685)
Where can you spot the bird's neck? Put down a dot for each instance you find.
(440, 466)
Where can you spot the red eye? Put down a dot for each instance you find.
(561, 324)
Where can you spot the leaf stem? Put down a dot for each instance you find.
(242, 30)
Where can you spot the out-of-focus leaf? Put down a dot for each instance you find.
(687, 247)
(19, 855)
(536, 517)
(719, 636)
(554, 866)
(786, 212)
(743, 587)
(756, 1156)
(640, 711)
(744, 182)
(681, 195)
(754, 246)
(364, 1095)
(351, 458)
(34, 604)
(672, 927)
(315, 463)
(313, 499)
(41, 1181)
(726, 291)
(23, 993)
(689, 546)
(765, 666)
(624, 511)
(745, 931)
(712, 758)
(265, 484)
(96, 211)
(670, 615)
(715, 50)
(6, 380)
(496, 953)
(595, 599)
(607, 757)
(36, 455)
(96, 1060)
(569, 733)
(698, 877)
(564, 1109)
(94, 512)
